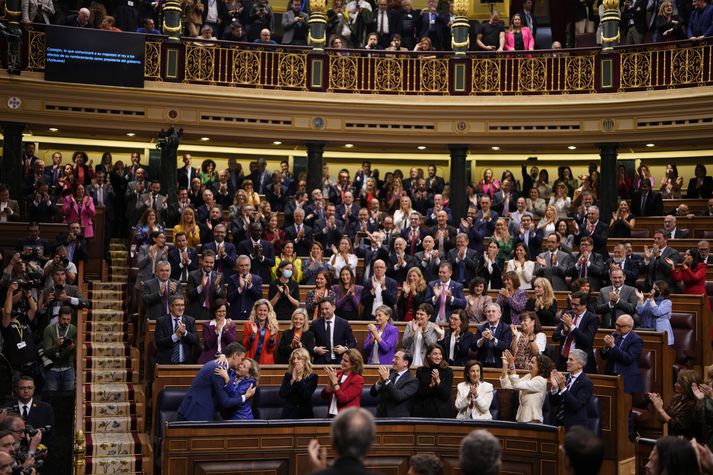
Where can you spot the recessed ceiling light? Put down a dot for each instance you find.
(130, 134)
(421, 147)
(349, 145)
(205, 139)
(495, 147)
(54, 129)
(277, 142)
(650, 145)
(572, 147)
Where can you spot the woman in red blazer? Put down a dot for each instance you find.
(518, 37)
(260, 333)
(345, 386)
(692, 272)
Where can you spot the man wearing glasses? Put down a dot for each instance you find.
(622, 350)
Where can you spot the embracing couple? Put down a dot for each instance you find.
(224, 385)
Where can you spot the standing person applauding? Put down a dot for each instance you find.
(435, 379)
(296, 337)
(260, 333)
(345, 386)
(382, 337)
(474, 395)
(298, 385)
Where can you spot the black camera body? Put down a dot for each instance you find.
(66, 342)
(58, 289)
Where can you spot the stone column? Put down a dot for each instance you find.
(168, 143)
(315, 150)
(607, 181)
(458, 181)
(12, 158)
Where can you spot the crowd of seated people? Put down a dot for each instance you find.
(375, 24)
(370, 249)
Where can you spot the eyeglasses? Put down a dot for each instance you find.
(26, 388)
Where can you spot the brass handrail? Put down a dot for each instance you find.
(80, 446)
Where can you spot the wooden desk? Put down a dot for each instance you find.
(695, 225)
(252, 448)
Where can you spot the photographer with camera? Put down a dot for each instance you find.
(74, 242)
(18, 315)
(60, 294)
(21, 270)
(59, 261)
(58, 343)
(26, 448)
(36, 245)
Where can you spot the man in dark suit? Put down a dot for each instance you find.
(492, 338)
(299, 233)
(445, 294)
(244, 289)
(432, 213)
(704, 248)
(361, 177)
(660, 260)
(464, 260)
(619, 260)
(646, 202)
(159, 291)
(332, 335)
(206, 395)
(589, 265)
(224, 251)
(528, 18)
(576, 329)
(616, 300)
(573, 392)
(505, 199)
(75, 243)
(329, 230)
(428, 260)
(399, 262)
(443, 234)
(34, 412)
(434, 184)
(596, 230)
(622, 350)
(669, 225)
(553, 264)
(529, 236)
(261, 177)
(186, 173)
(353, 431)
(182, 257)
(34, 242)
(484, 220)
(385, 24)
(372, 252)
(378, 290)
(413, 234)
(205, 286)
(260, 251)
(396, 387)
(176, 339)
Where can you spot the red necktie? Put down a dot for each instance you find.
(570, 337)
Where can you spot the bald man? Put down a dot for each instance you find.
(622, 350)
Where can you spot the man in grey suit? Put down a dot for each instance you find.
(205, 287)
(155, 200)
(294, 25)
(615, 300)
(553, 263)
(589, 265)
(397, 387)
(61, 294)
(158, 291)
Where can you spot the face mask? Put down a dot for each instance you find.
(287, 274)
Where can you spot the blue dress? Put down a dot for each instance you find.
(657, 317)
(235, 389)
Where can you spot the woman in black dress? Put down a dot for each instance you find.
(435, 379)
(297, 336)
(298, 385)
(622, 221)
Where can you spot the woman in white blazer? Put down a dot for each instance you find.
(532, 386)
(474, 395)
(420, 333)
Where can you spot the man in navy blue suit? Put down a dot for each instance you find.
(224, 251)
(572, 392)
(332, 335)
(206, 395)
(445, 294)
(622, 350)
(577, 329)
(260, 252)
(378, 290)
(244, 289)
(492, 338)
(182, 257)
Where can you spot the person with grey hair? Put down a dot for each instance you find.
(425, 464)
(595, 229)
(572, 392)
(176, 338)
(480, 454)
(353, 432)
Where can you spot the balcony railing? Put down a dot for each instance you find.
(542, 72)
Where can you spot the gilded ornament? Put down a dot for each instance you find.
(317, 6)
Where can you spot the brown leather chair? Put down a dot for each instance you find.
(686, 350)
(640, 233)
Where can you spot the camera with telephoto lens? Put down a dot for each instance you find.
(33, 255)
(58, 289)
(28, 284)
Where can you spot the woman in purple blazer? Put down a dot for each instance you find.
(217, 334)
(518, 37)
(381, 341)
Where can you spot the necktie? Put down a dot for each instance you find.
(461, 271)
(25, 412)
(442, 305)
(100, 195)
(568, 341)
(206, 291)
(176, 352)
(643, 202)
(506, 206)
(381, 23)
(414, 238)
(583, 271)
(394, 378)
(164, 296)
(552, 259)
(329, 339)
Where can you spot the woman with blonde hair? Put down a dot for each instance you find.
(296, 337)
(561, 200)
(402, 216)
(253, 197)
(413, 294)
(543, 303)
(188, 225)
(260, 333)
(298, 385)
(241, 382)
(503, 239)
(548, 224)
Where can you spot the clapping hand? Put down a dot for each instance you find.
(609, 341)
(435, 377)
(656, 400)
(331, 375)
(383, 373)
(509, 358)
